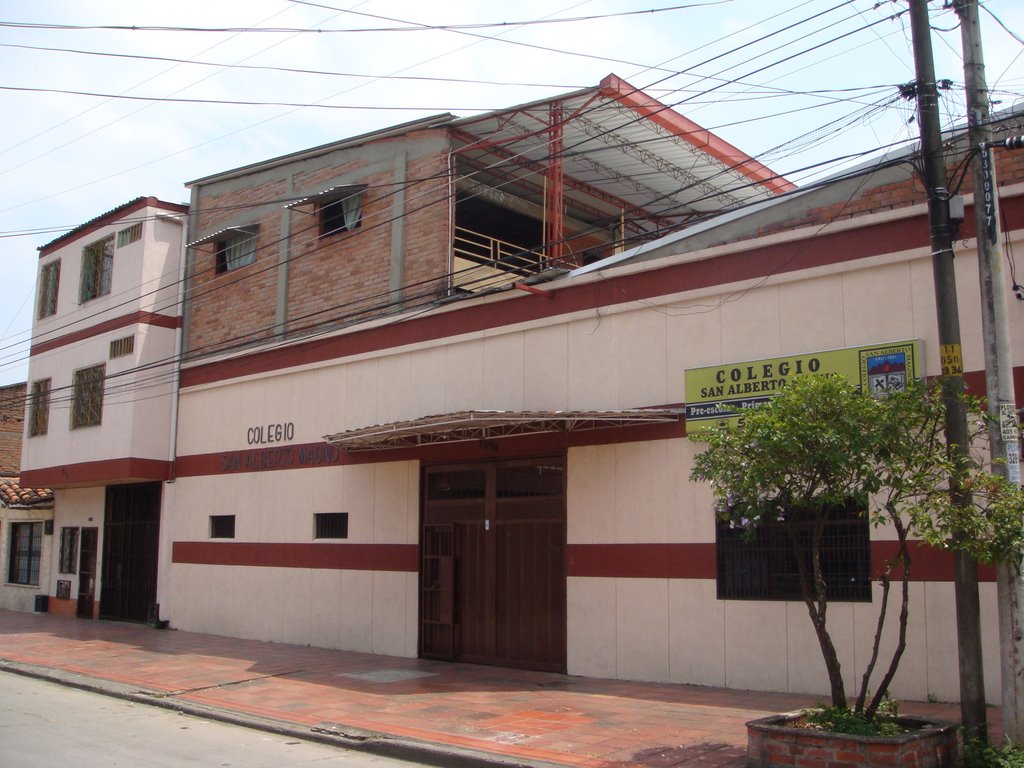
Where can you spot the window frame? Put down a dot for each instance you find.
(222, 526)
(87, 388)
(330, 525)
(49, 287)
(245, 241)
(764, 568)
(39, 410)
(343, 213)
(68, 556)
(24, 562)
(97, 269)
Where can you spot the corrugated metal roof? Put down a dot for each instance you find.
(331, 193)
(489, 425)
(621, 150)
(247, 230)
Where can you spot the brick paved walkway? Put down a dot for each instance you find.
(485, 712)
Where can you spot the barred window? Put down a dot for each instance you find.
(26, 549)
(49, 282)
(39, 411)
(122, 347)
(87, 402)
(68, 550)
(129, 235)
(765, 568)
(97, 268)
(222, 526)
(331, 525)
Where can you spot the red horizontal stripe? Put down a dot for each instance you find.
(136, 318)
(97, 472)
(697, 561)
(623, 561)
(352, 557)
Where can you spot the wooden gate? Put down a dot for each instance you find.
(131, 540)
(493, 572)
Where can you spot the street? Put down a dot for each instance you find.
(43, 724)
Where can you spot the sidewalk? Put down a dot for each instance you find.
(431, 712)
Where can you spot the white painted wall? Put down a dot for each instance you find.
(627, 356)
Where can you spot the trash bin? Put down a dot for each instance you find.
(42, 603)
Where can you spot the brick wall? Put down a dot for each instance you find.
(331, 279)
(12, 426)
(900, 194)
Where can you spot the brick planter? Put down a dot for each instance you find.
(772, 743)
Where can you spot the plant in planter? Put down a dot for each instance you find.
(796, 463)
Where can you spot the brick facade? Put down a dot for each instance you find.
(322, 281)
(12, 425)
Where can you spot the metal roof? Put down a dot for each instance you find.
(252, 229)
(331, 193)
(623, 152)
(489, 425)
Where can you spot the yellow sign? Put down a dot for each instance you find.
(719, 395)
(952, 360)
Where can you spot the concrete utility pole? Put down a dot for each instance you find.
(1003, 433)
(968, 609)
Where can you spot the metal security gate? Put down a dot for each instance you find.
(131, 540)
(492, 583)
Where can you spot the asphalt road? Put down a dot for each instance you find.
(43, 725)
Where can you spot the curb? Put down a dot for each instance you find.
(371, 742)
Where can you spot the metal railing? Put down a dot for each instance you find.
(481, 261)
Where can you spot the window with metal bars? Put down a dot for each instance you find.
(87, 402)
(766, 567)
(39, 411)
(129, 235)
(97, 269)
(26, 551)
(222, 526)
(68, 550)
(331, 525)
(49, 282)
(122, 347)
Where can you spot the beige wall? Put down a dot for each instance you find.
(623, 356)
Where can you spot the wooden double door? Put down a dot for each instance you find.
(493, 575)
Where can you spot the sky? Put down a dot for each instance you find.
(107, 101)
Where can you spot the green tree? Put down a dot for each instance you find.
(820, 444)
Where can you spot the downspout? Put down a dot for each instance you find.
(451, 219)
(184, 274)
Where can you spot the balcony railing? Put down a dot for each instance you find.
(483, 262)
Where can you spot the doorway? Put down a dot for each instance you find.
(493, 574)
(131, 540)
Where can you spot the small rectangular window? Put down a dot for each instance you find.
(222, 526)
(342, 214)
(39, 411)
(766, 567)
(49, 282)
(97, 269)
(68, 550)
(129, 235)
(87, 396)
(331, 525)
(122, 347)
(26, 548)
(236, 251)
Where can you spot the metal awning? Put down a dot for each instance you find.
(489, 425)
(328, 195)
(220, 234)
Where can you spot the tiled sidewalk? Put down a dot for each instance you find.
(411, 707)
